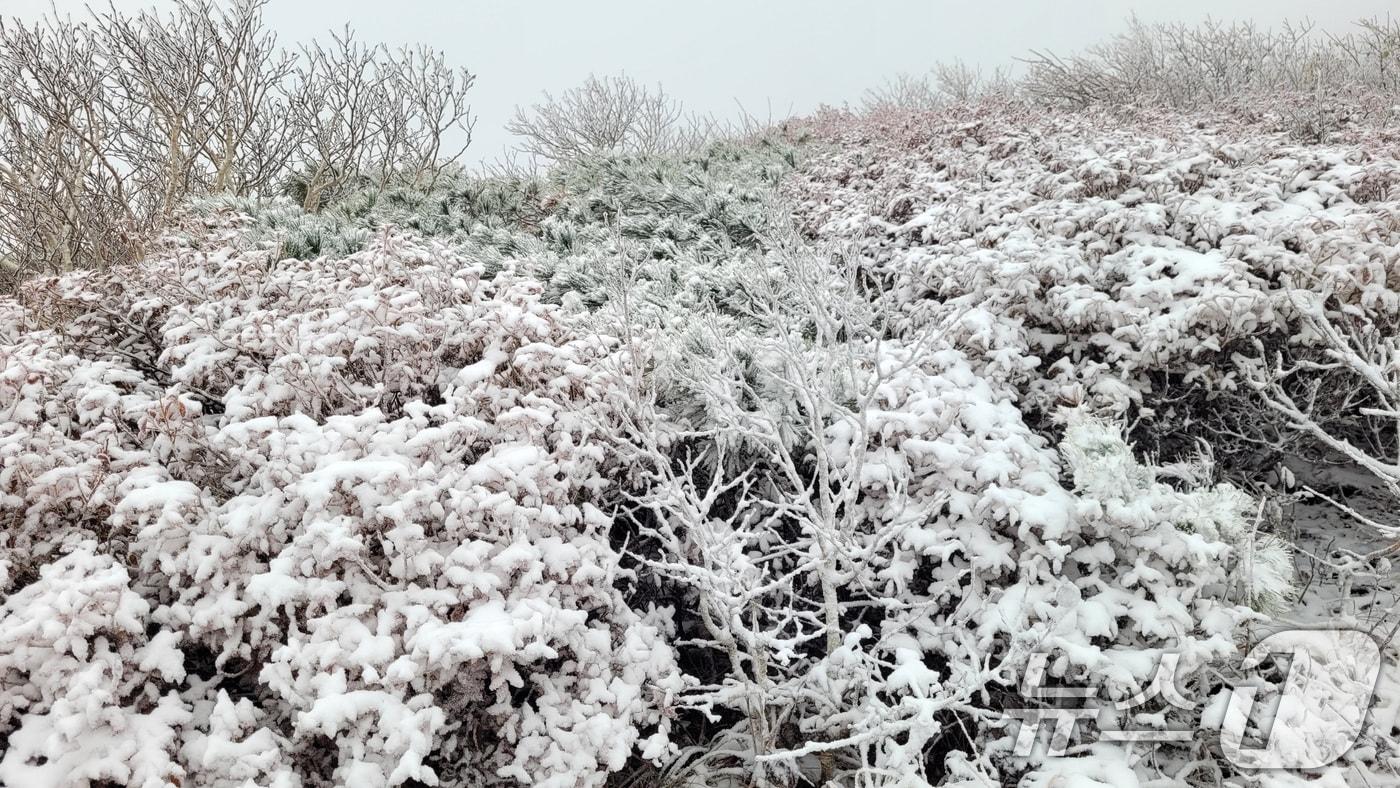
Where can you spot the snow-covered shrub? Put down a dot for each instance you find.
(865, 542)
(1203, 280)
(85, 695)
(455, 207)
(357, 494)
(687, 226)
(1127, 264)
(1105, 469)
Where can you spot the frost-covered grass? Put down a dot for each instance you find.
(773, 464)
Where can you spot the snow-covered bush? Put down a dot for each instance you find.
(736, 467)
(353, 498)
(87, 695)
(689, 225)
(1127, 264)
(1216, 64)
(1203, 281)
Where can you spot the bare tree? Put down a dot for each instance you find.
(109, 125)
(199, 98)
(369, 115)
(960, 82)
(605, 115)
(68, 196)
(904, 91)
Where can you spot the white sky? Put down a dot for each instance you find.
(796, 54)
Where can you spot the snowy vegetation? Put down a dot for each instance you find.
(109, 123)
(773, 460)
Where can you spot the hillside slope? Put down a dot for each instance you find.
(779, 463)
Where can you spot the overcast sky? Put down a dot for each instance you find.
(794, 54)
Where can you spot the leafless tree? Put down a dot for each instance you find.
(60, 146)
(605, 115)
(904, 91)
(195, 90)
(369, 115)
(952, 82)
(961, 82)
(108, 125)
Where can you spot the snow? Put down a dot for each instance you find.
(398, 515)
